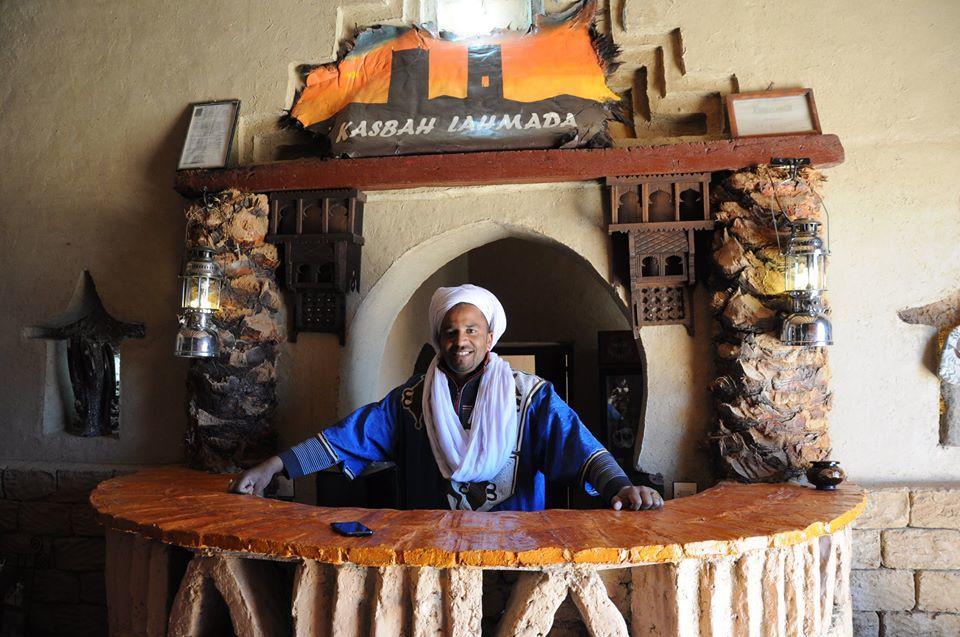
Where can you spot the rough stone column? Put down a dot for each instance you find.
(232, 397)
(771, 400)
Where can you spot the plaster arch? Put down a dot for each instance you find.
(379, 308)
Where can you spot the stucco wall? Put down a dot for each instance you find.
(93, 115)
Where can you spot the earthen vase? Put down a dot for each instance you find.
(825, 474)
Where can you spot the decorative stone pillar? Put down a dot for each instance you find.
(232, 397)
(771, 400)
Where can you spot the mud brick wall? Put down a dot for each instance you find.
(51, 553)
(906, 577)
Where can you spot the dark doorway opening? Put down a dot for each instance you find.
(552, 362)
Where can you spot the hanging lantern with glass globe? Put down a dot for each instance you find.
(200, 286)
(805, 281)
(805, 259)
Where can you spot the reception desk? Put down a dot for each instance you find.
(184, 557)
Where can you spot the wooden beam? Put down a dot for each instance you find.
(510, 167)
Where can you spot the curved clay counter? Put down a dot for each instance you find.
(736, 559)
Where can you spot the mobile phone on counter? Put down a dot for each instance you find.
(351, 529)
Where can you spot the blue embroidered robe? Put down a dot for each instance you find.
(552, 444)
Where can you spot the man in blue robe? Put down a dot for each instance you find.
(470, 434)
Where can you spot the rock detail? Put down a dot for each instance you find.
(921, 548)
(887, 508)
(771, 400)
(254, 609)
(232, 397)
(935, 508)
(138, 584)
(537, 596)
(800, 590)
(883, 589)
(926, 624)
(52, 552)
(938, 591)
(866, 548)
(866, 624)
(907, 570)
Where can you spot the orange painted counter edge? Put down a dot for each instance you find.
(541, 556)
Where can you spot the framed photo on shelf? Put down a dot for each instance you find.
(785, 112)
(210, 134)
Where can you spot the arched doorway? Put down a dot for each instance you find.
(436, 258)
(556, 303)
(551, 297)
(676, 366)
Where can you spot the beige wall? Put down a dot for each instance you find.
(92, 114)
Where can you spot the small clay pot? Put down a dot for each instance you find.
(825, 474)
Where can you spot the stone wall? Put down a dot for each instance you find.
(51, 553)
(906, 577)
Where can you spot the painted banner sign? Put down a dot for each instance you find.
(407, 91)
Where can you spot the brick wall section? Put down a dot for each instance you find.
(51, 553)
(906, 577)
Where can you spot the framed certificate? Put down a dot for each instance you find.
(210, 135)
(787, 112)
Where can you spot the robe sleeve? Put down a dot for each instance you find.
(367, 435)
(566, 451)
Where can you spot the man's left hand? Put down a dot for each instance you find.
(636, 498)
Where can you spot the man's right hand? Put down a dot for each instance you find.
(255, 480)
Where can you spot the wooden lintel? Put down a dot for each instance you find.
(510, 167)
(661, 226)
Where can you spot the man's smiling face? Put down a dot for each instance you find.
(465, 338)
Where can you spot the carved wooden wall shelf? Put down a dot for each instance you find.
(321, 232)
(510, 167)
(659, 214)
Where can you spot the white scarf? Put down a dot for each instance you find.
(477, 454)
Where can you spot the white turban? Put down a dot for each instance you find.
(488, 304)
(479, 453)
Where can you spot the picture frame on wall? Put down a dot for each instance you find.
(766, 113)
(210, 134)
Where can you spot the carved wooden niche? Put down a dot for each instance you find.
(93, 339)
(659, 214)
(321, 233)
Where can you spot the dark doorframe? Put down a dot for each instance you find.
(552, 362)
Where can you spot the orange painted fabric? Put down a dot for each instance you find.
(552, 60)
